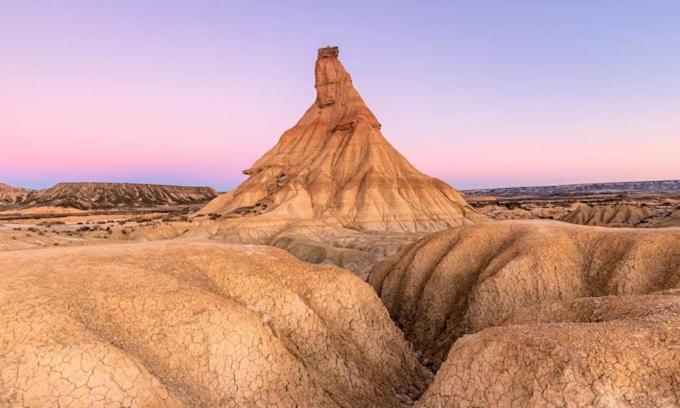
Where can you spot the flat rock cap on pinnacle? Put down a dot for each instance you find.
(329, 51)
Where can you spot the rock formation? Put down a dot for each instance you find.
(466, 279)
(186, 323)
(617, 215)
(541, 313)
(12, 195)
(334, 175)
(334, 165)
(104, 196)
(644, 204)
(612, 351)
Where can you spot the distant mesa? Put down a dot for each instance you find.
(105, 196)
(643, 204)
(657, 186)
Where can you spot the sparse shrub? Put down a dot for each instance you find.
(51, 223)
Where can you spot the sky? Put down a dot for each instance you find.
(477, 93)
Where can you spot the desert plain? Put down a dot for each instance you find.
(338, 275)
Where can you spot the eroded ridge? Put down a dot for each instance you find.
(466, 279)
(613, 351)
(188, 323)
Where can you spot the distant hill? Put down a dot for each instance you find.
(661, 186)
(618, 215)
(12, 195)
(102, 196)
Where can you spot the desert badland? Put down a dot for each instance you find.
(339, 275)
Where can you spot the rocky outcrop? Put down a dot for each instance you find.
(612, 351)
(541, 314)
(333, 190)
(335, 166)
(467, 279)
(103, 196)
(182, 323)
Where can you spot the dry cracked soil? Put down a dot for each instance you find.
(514, 313)
(195, 324)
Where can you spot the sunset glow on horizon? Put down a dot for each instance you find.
(192, 93)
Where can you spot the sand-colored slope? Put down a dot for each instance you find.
(333, 190)
(469, 278)
(613, 351)
(194, 323)
(336, 167)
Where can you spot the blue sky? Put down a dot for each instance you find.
(478, 93)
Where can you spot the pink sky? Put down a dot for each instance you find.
(118, 92)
